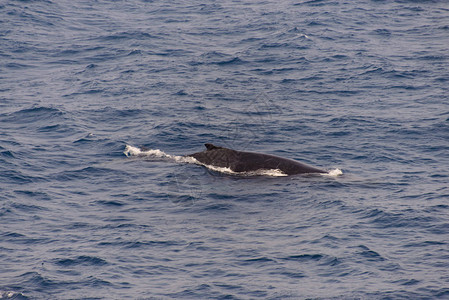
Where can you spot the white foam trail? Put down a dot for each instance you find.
(135, 151)
(156, 153)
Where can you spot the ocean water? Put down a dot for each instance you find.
(359, 86)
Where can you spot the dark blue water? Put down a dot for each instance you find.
(357, 85)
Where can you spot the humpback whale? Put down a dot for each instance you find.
(240, 161)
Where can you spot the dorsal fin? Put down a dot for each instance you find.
(211, 147)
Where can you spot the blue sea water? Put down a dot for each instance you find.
(361, 86)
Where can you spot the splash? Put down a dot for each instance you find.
(334, 173)
(135, 151)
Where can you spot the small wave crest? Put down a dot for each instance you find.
(11, 295)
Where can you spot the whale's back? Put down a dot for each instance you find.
(240, 161)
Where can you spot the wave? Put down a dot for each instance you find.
(156, 153)
(12, 295)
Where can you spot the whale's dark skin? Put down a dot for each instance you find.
(239, 161)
